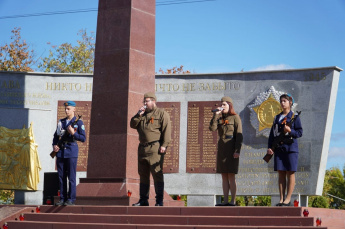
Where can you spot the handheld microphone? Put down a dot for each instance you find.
(218, 109)
(141, 110)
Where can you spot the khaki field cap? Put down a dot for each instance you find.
(150, 95)
(227, 99)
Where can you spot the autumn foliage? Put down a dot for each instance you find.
(67, 58)
(174, 70)
(16, 56)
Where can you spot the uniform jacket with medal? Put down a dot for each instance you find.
(278, 127)
(70, 148)
(229, 127)
(153, 126)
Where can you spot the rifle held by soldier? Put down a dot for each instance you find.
(63, 137)
(282, 138)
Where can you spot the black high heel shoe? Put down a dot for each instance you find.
(286, 205)
(222, 204)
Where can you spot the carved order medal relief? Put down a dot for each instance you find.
(263, 110)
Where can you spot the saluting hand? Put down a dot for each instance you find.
(70, 130)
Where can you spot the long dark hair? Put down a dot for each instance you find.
(231, 109)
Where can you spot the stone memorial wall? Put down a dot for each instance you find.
(191, 157)
(37, 98)
(201, 142)
(256, 100)
(171, 158)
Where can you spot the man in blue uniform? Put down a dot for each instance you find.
(69, 130)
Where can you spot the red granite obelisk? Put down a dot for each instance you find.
(124, 71)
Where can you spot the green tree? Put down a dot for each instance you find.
(67, 58)
(333, 189)
(262, 201)
(335, 186)
(240, 201)
(17, 55)
(320, 202)
(6, 196)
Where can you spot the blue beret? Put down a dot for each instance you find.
(69, 103)
(293, 101)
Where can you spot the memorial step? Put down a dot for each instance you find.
(90, 217)
(172, 219)
(59, 225)
(152, 210)
(123, 201)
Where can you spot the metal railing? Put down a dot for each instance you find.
(335, 197)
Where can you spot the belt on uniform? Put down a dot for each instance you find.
(228, 137)
(66, 142)
(148, 143)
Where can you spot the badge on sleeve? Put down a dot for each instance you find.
(83, 127)
(59, 130)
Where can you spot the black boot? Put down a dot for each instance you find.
(144, 195)
(159, 188)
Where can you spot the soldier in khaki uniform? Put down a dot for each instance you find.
(154, 128)
(229, 127)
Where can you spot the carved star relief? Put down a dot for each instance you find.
(266, 112)
(263, 110)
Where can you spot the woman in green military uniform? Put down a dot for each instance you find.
(229, 127)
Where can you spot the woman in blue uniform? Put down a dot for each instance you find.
(286, 153)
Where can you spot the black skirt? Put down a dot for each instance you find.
(226, 163)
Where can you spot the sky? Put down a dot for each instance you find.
(210, 36)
